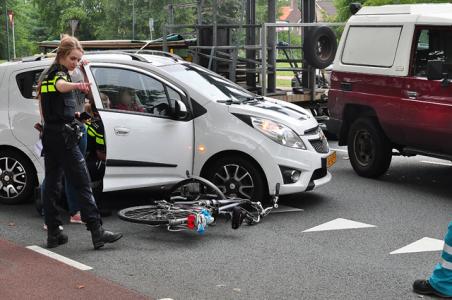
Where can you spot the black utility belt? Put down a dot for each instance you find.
(60, 126)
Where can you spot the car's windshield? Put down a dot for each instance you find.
(208, 83)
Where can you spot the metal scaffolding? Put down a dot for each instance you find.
(252, 63)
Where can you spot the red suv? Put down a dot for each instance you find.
(390, 87)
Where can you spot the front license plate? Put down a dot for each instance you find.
(331, 160)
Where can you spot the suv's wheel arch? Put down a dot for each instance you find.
(27, 164)
(351, 113)
(235, 154)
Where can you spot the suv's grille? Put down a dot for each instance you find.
(320, 145)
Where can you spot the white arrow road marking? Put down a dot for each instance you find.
(60, 258)
(436, 163)
(283, 209)
(423, 245)
(339, 224)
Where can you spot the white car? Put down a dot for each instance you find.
(190, 119)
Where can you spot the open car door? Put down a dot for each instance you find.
(147, 144)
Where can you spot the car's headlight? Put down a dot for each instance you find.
(278, 132)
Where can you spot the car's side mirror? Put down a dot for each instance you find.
(435, 69)
(180, 109)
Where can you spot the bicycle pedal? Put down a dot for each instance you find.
(237, 217)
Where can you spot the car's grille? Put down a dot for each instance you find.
(320, 145)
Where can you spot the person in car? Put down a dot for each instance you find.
(128, 101)
(61, 151)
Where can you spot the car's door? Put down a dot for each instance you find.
(146, 145)
(427, 107)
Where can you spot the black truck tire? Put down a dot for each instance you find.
(320, 46)
(369, 149)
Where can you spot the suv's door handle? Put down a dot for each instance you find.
(346, 86)
(122, 131)
(411, 94)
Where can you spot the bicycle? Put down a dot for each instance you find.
(195, 203)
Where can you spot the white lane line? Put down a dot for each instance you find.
(60, 258)
(340, 150)
(436, 163)
(339, 224)
(283, 209)
(425, 244)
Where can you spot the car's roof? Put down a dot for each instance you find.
(157, 59)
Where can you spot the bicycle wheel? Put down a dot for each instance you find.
(195, 188)
(151, 214)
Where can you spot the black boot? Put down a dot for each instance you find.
(423, 287)
(56, 237)
(101, 236)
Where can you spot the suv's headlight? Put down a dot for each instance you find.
(278, 132)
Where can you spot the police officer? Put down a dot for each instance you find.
(61, 152)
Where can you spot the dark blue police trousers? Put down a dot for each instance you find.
(62, 159)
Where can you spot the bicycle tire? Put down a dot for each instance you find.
(202, 181)
(151, 214)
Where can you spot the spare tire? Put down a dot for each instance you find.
(320, 46)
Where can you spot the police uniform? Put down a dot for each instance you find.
(441, 278)
(61, 151)
(96, 142)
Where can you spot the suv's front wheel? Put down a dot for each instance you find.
(369, 149)
(17, 177)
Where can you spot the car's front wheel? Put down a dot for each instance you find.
(369, 149)
(17, 177)
(239, 177)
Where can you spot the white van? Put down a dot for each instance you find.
(191, 120)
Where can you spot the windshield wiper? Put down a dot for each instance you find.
(229, 101)
(253, 99)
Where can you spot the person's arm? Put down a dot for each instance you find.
(65, 87)
(38, 97)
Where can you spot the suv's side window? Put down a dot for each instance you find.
(28, 83)
(432, 44)
(132, 91)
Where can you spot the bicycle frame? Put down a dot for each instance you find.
(177, 213)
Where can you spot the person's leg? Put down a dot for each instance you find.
(76, 171)
(441, 279)
(440, 282)
(96, 171)
(51, 193)
(71, 192)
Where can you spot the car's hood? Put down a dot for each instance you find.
(295, 117)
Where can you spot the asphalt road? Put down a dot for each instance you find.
(276, 259)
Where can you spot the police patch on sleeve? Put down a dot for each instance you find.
(60, 75)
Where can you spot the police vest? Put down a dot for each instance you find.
(92, 128)
(57, 107)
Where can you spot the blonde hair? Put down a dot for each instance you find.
(67, 44)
